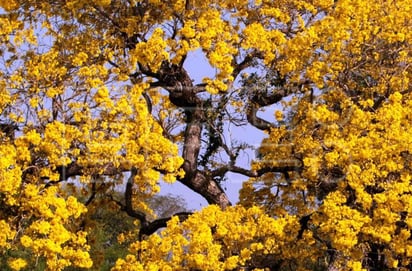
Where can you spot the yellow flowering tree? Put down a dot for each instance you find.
(97, 96)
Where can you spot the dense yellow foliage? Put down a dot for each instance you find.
(67, 95)
(214, 240)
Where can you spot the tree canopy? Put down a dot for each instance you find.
(97, 94)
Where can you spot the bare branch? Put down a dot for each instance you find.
(256, 173)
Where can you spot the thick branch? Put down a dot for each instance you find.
(148, 101)
(157, 224)
(193, 89)
(128, 195)
(256, 121)
(247, 62)
(303, 221)
(208, 188)
(294, 166)
(257, 101)
(262, 100)
(192, 142)
(93, 195)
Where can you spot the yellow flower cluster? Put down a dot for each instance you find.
(266, 41)
(17, 264)
(10, 173)
(364, 203)
(152, 52)
(6, 235)
(55, 85)
(353, 137)
(239, 234)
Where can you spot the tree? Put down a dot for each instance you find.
(110, 232)
(99, 92)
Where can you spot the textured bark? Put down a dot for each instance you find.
(208, 188)
(255, 121)
(182, 93)
(257, 101)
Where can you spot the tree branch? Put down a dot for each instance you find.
(206, 186)
(128, 194)
(247, 62)
(93, 195)
(193, 89)
(257, 101)
(294, 166)
(155, 225)
(148, 102)
(254, 120)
